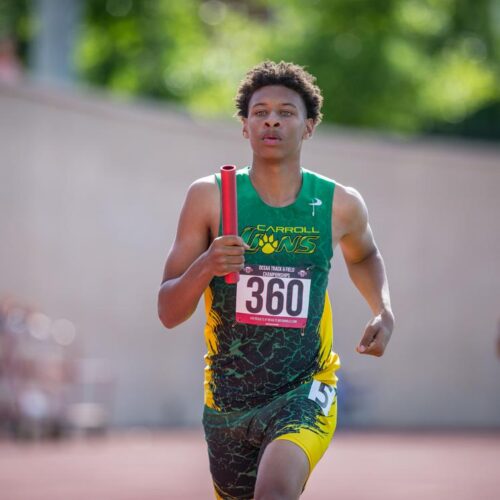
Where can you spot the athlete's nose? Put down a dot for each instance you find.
(272, 120)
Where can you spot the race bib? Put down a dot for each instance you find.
(273, 296)
(323, 394)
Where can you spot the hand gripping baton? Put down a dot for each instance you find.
(229, 209)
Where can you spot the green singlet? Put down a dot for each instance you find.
(272, 332)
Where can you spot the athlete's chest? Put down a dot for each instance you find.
(284, 235)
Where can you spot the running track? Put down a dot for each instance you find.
(172, 465)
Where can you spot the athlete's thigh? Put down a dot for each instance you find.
(233, 459)
(283, 471)
(307, 419)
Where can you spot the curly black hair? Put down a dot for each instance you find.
(289, 75)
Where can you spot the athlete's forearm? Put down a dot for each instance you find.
(370, 279)
(178, 297)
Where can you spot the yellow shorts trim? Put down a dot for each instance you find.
(312, 443)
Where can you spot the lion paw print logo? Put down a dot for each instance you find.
(268, 244)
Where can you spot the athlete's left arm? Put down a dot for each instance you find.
(365, 265)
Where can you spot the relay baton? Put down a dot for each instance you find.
(229, 209)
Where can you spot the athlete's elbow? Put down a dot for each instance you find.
(172, 310)
(167, 316)
(165, 313)
(371, 254)
(166, 320)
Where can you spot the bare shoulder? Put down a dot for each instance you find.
(201, 210)
(349, 211)
(203, 196)
(204, 188)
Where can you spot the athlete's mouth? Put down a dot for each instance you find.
(271, 138)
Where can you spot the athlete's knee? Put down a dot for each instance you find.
(274, 495)
(275, 489)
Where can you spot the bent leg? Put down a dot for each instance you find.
(298, 433)
(283, 472)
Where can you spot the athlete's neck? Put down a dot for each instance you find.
(277, 184)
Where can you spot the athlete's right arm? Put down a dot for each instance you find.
(194, 258)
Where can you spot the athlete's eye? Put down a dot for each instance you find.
(260, 112)
(286, 113)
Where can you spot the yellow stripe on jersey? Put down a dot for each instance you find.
(213, 319)
(329, 361)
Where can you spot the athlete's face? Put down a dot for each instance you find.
(277, 122)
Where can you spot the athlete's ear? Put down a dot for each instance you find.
(309, 128)
(244, 121)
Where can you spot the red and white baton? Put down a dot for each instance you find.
(229, 209)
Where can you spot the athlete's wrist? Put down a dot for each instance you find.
(387, 316)
(205, 268)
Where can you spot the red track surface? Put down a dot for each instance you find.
(173, 466)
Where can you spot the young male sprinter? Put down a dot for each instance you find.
(270, 383)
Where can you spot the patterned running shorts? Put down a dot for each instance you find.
(236, 440)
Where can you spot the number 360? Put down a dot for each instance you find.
(277, 296)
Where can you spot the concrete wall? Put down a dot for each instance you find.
(90, 193)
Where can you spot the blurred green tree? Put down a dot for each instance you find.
(189, 51)
(17, 24)
(402, 65)
(406, 66)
